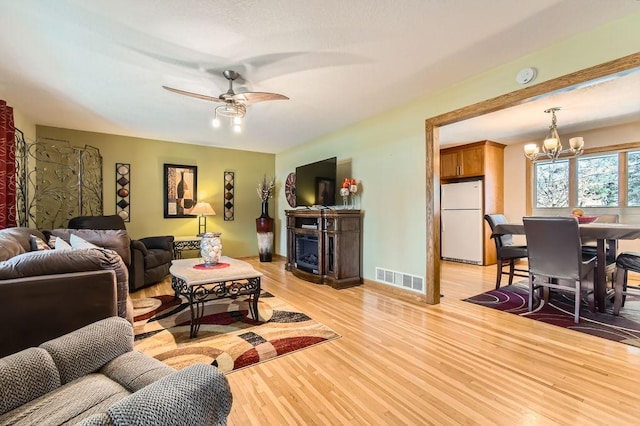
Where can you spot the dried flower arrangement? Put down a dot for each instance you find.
(265, 188)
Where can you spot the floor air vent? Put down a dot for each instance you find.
(399, 279)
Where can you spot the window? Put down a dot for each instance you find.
(633, 179)
(598, 181)
(552, 184)
(605, 178)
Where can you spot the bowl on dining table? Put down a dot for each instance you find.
(586, 219)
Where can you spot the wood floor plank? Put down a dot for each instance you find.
(404, 362)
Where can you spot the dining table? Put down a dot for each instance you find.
(603, 233)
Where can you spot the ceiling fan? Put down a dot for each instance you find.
(234, 103)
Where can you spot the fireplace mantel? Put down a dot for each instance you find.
(331, 235)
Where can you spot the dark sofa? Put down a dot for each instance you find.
(44, 294)
(150, 257)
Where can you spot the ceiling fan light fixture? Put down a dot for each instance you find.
(234, 105)
(234, 111)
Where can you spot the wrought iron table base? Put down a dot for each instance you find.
(181, 245)
(199, 293)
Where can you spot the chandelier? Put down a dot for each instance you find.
(552, 147)
(234, 111)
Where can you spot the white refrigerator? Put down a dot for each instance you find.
(462, 222)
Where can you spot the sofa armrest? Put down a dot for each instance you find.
(139, 245)
(163, 243)
(47, 306)
(89, 348)
(198, 395)
(135, 370)
(25, 376)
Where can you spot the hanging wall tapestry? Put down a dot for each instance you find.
(229, 183)
(123, 191)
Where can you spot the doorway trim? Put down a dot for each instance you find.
(433, 124)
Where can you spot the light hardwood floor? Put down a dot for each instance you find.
(406, 363)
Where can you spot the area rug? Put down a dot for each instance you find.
(228, 338)
(624, 328)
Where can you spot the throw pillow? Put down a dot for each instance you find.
(51, 242)
(38, 243)
(61, 244)
(80, 243)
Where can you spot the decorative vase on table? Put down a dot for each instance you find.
(211, 248)
(264, 229)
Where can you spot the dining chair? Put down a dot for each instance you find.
(555, 258)
(506, 251)
(626, 261)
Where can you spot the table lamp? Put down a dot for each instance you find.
(204, 210)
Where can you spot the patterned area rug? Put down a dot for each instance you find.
(624, 328)
(228, 338)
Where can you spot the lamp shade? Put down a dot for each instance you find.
(203, 209)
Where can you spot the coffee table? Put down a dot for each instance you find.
(229, 278)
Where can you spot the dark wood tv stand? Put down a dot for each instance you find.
(323, 246)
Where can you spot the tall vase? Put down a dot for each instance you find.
(264, 229)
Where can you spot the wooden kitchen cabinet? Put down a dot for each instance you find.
(463, 161)
(478, 160)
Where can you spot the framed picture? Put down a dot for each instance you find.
(325, 191)
(180, 189)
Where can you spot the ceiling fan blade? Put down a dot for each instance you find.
(255, 97)
(193, 95)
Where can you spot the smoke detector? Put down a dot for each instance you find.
(526, 76)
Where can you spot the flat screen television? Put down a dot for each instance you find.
(316, 183)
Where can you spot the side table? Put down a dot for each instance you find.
(185, 243)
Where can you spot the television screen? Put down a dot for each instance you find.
(316, 183)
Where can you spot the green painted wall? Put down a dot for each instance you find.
(147, 158)
(386, 153)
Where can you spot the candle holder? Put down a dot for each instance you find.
(345, 197)
(353, 189)
(211, 248)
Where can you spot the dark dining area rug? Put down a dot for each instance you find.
(624, 328)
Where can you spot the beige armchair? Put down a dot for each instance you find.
(93, 376)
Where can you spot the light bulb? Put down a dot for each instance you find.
(550, 144)
(531, 149)
(215, 123)
(237, 128)
(576, 143)
(237, 120)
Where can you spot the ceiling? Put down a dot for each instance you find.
(599, 103)
(100, 66)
